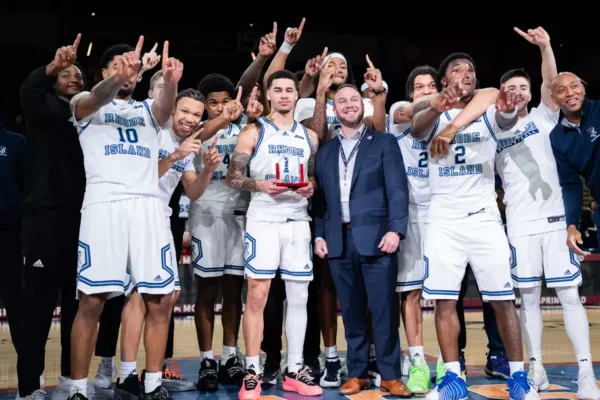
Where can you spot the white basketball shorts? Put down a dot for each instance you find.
(449, 248)
(410, 259)
(217, 245)
(283, 245)
(543, 254)
(121, 236)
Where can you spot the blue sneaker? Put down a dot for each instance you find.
(452, 387)
(497, 365)
(521, 388)
(463, 365)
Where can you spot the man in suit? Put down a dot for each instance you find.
(361, 215)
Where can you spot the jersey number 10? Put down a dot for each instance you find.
(130, 134)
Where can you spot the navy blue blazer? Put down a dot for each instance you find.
(378, 194)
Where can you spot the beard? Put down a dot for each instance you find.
(124, 92)
(352, 124)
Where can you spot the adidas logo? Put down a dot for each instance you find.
(507, 285)
(285, 134)
(251, 366)
(157, 278)
(566, 273)
(38, 264)
(306, 266)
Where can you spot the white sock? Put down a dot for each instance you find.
(331, 353)
(371, 352)
(416, 351)
(296, 294)
(228, 352)
(576, 324)
(152, 381)
(78, 386)
(532, 323)
(453, 366)
(516, 366)
(128, 368)
(294, 363)
(206, 354)
(253, 363)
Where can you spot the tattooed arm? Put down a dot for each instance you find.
(236, 174)
(87, 104)
(314, 147)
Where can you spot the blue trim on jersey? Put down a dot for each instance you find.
(198, 243)
(403, 134)
(489, 126)
(261, 136)
(294, 273)
(306, 134)
(575, 262)
(151, 116)
(270, 123)
(131, 101)
(442, 292)
(86, 125)
(447, 114)
(250, 254)
(85, 248)
(497, 293)
(114, 102)
(409, 283)
(229, 129)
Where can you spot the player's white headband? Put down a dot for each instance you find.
(333, 55)
(365, 86)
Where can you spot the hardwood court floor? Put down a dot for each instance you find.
(557, 349)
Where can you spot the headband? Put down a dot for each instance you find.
(333, 55)
(365, 86)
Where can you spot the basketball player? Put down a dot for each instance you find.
(177, 148)
(277, 231)
(122, 226)
(217, 226)
(464, 225)
(535, 220)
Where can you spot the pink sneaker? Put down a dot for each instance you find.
(301, 384)
(250, 388)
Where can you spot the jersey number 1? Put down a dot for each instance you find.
(130, 133)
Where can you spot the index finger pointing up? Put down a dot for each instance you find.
(214, 142)
(165, 54)
(77, 40)
(138, 47)
(274, 30)
(302, 24)
(154, 48)
(239, 94)
(369, 62)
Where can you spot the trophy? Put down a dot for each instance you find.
(291, 185)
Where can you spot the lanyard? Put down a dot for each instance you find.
(346, 162)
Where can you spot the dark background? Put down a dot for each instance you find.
(221, 39)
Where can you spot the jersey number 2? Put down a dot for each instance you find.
(460, 154)
(130, 134)
(423, 159)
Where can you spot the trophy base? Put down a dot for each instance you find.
(293, 186)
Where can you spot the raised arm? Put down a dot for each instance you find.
(374, 80)
(172, 70)
(190, 145)
(128, 66)
(318, 122)
(39, 83)
(266, 48)
(231, 112)
(311, 70)
(540, 38)
(506, 109)
(292, 36)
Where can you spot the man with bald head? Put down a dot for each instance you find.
(575, 146)
(356, 170)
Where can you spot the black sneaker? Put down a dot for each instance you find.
(313, 369)
(232, 373)
(207, 376)
(271, 372)
(77, 396)
(131, 388)
(160, 393)
(332, 376)
(173, 382)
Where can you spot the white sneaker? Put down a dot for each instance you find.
(42, 381)
(537, 373)
(588, 387)
(37, 395)
(106, 375)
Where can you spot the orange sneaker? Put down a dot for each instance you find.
(301, 383)
(250, 389)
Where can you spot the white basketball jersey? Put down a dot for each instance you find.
(462, 184)
(527, 167)
(218, 198)
(415, 154)
(120, 149)
(168, 142)
(305, 108)
(288, 151)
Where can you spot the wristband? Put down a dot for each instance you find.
(509, 115)
(286, 47)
